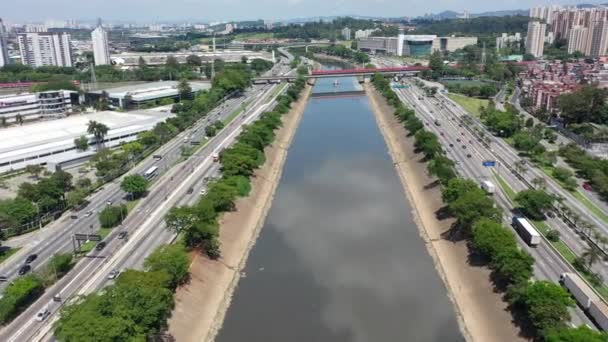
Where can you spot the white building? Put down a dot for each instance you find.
(535, 40)
(55, 103)
(505, 40)
(42, 49)
(346, 33)
(4, 57)
(360, 34)
(414, 45)
(599, 40)
(35, 28)
(101, 51)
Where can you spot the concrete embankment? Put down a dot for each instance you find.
(202, 304)
(482, 314)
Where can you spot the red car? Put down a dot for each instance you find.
(587, 186)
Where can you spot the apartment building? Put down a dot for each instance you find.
(4, 57)
(101, 50)
(44, 49)
(535, 40)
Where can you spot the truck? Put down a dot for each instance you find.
(583, 294)
(488, 187)
(586, 298)
(526, 231)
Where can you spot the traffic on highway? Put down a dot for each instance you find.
(175, 181)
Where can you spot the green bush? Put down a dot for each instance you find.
(19, 295)
(111, 216)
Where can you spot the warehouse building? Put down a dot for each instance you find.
(136, 96)
(52, 142)
(413, 45)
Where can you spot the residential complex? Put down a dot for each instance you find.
(535, 40)
(45, 49)
(360, 34)
(101, 51)
(414, 45)
(585, 29)
(505, 40)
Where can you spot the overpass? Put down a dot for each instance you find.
(406, 71)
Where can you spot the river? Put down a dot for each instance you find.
(339, 257)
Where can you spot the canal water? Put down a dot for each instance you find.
(339, 257)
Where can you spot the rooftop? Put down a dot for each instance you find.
(154, 90)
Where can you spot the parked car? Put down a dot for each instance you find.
(24, 269)
(31, 258)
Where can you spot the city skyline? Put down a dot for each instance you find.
(235, 10)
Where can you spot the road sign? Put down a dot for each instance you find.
(82, 237)
(94, 237)
(488, 163)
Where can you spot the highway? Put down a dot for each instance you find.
(145, 225)
(468, 159)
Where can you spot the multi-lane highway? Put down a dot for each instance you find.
(145, 224)
(463, 147)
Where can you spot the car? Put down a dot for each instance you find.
(587, 186)
(100, 245)
(56, 298)
(470, 141)
(74, 217)
(550, 214)
(458, 139)
(122, 235)
(468, 155)
(3, 278)
(113, 274)
(203, 191)
(441, 133)
(462, 133)
(109, 202)
(24, 269)
(190, 190)
(451, 145)
(464, 146)
(89, 213)
(43, 314)
(31, 258)
(459, 125)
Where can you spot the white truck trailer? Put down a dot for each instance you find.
(526, 231)
(586, 298)
(488, 187)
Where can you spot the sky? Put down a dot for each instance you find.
(224, 10)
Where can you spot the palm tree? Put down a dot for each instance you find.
(591, 255)
(98, 130)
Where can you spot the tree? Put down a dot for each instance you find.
(584, 105)
(580, 334)
(103, 101)
(525, 141)
(19, 119)
(210, 131)
(534, 203)
(546, 305)
(591, 255)
(172, 259)
(98, 130)
(184, 90)
(442, 168)
(18, 295)
(34, 170)
(181, 218)
(134, 184)
(194, 60)
(436, 64)
(81, 143)
(76, 197)
(427, 143)
(473, 205)
(456, 188)
(111, 216)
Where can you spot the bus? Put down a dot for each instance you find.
(151, 172)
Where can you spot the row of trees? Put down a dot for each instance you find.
(544, 304)
(199, 223)
(341, 51)
(593, 169)
(134, 308)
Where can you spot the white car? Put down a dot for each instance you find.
(43, 314)
(113, 274)
(203, 192)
